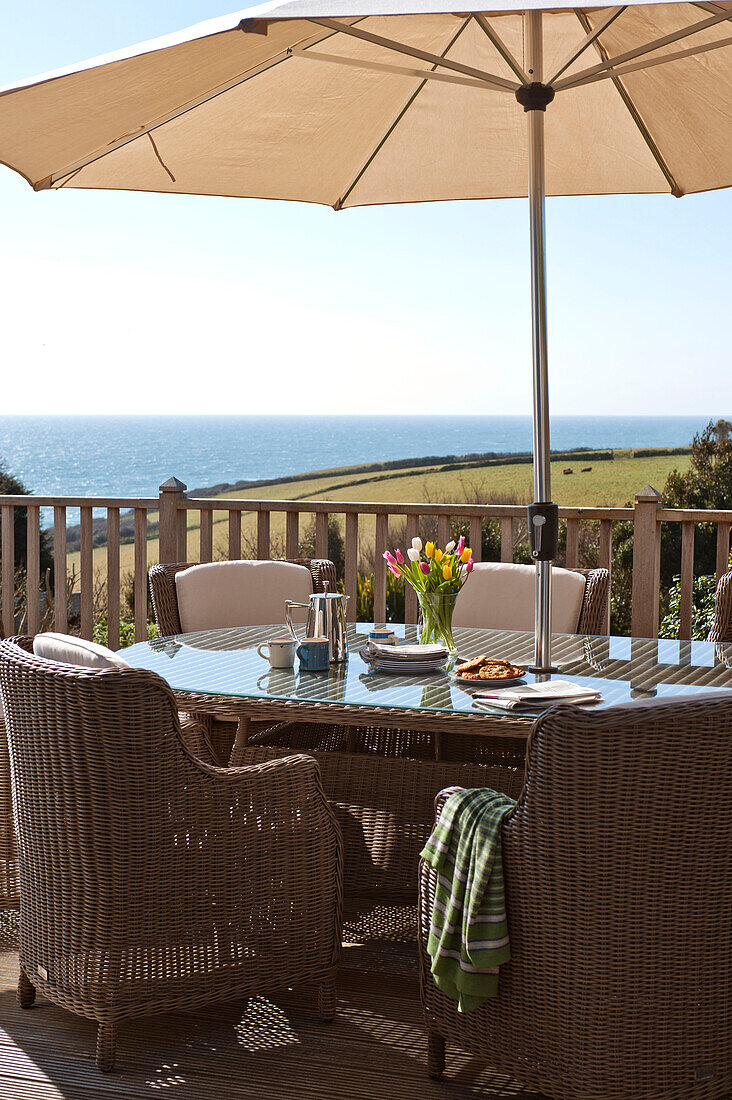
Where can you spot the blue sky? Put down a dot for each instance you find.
(128, 303)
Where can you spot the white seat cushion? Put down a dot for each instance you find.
(239, 593)
(500, 596)
(67, 650)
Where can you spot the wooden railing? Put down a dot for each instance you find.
(164, 528)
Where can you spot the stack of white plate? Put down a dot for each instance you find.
(404, 659)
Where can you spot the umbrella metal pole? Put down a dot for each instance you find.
(542, 521)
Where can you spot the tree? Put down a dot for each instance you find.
(722, 431)
(11, 486)
(707, 484)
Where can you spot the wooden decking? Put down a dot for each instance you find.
(271, 1048)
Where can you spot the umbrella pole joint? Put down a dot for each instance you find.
(535, 96)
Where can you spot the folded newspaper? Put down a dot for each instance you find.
(538, 695)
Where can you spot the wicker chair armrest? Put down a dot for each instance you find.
(721, 630)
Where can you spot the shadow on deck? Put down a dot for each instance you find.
(271, 1047)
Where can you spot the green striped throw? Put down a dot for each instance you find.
(468, 937)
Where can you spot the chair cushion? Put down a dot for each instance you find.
(239, 593)
(500, 595)
(67, 650)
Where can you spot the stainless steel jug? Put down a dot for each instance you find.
(326, 619)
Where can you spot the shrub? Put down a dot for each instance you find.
(702, 614)
(126, 632)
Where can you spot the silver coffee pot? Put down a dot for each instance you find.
(326, 619)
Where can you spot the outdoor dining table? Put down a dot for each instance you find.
(221, 672)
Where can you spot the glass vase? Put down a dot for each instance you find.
(435, 618)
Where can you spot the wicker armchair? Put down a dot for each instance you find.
(150, 881)
(722, 626)
(221, 729)
(165, 600)
(618, 882)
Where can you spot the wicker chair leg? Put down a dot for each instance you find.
(106, 1047)
(26, 991)
(435, 1055)
(327, 1000)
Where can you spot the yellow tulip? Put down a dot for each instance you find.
(447, 571)
(438, 555)
(466, 555)
(429, 549)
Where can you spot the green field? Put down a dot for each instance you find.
(609, 483)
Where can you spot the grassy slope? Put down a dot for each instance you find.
(608, 484)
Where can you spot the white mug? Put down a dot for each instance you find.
(281, 652)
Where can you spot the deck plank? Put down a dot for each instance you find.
(273, 1046)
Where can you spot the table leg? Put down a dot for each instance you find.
(350, 738)
(242, 736)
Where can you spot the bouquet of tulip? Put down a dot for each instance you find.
(437, 577)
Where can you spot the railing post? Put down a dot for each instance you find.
(170, 493)
(646, 564)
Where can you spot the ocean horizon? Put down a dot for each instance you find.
(132, 455)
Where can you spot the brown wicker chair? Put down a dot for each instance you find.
(221, 730)
(618, 883)
(722, 626)
(150, 881)
(165, 600)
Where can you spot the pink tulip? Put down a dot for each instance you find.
(389, 558)
(393, 569)
(425, 567)
(400, 557)
(469, 565)
(460, 546)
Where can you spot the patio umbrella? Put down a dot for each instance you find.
(360, 102)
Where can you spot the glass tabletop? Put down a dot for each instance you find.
(225, 663)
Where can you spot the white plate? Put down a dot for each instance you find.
(464, 682)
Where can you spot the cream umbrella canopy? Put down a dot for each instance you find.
(361, 102)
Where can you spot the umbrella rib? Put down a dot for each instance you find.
(501, 46)
(413, 51)
(586, 42)
(642, 66)
(636, 117)
(397, 70)
(380, 144)
(59, 178)
(640, 51)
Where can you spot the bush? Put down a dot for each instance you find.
(126, 632)
(702, 615)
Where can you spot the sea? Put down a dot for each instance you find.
(132, 455)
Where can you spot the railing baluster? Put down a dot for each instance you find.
(443, 531)
(205, 546)
(606, 559)
(321, 535)
(33, 568)
(352, 565)
(572, 543)
(8, 570)
(476, 537)
(722, 548)
(507, 539)
(235, 535)
(382, 531)
(86, 569)
(410, 596)
(263, 529)
(60, 603)
(292, 535)
(687, 580)
(182, 524)
(113, 578)
(141, 574)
